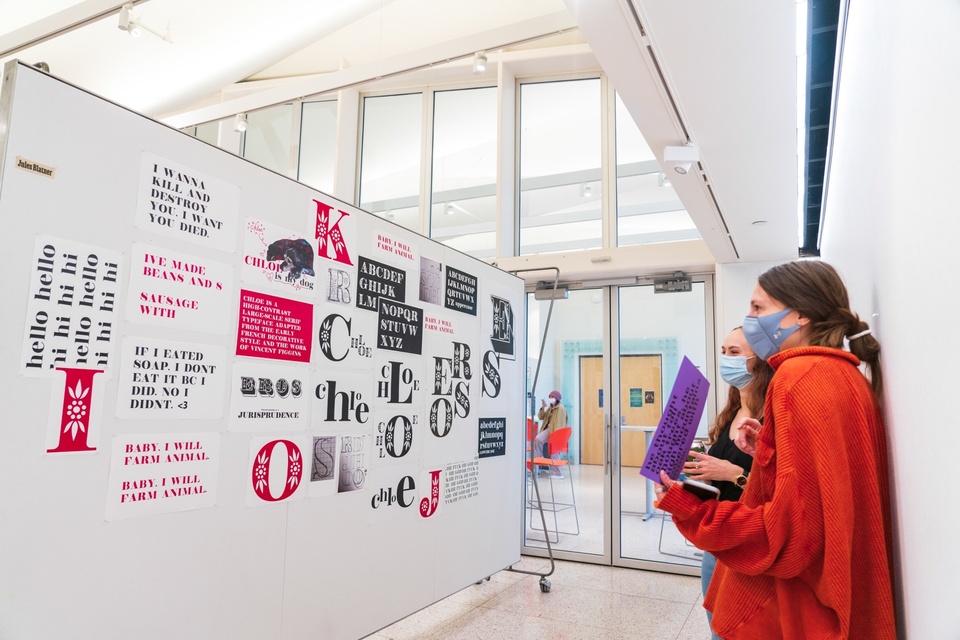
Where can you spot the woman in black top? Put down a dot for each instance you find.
(724, 465)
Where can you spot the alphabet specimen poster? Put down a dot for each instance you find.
(357, 356)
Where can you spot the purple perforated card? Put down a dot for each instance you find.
(678, 424)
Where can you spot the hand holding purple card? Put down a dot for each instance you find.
(678, 424)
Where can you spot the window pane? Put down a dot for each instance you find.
(268, 138)
(560, 202)
(648, 209)
(318, 144)
(390, 158)
(463, 211)
(208, 132)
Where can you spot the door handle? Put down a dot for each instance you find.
(607, 446)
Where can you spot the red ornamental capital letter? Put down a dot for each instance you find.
(428, 506)
(261, 470)
(75, 415)
(329, 236)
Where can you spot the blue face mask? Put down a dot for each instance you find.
(733, 370)
(764, 333)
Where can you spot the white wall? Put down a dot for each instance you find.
(735, 284)
(891, 227)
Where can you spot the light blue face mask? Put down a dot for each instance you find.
(764, 333)
(733, 370)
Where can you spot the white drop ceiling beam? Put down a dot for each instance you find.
(442, 53)
(625, 262)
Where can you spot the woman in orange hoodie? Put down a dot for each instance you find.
(806, 552)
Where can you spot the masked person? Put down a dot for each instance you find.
(552, 416)
(806, 552)
(724, 465)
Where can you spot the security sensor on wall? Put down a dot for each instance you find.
(681, 158)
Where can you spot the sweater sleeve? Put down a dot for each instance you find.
(777, 527)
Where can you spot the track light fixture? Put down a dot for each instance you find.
(479, 62)
(125, 11)
(449, 209)
(240, 123)
(127, 22)
(681, 158)
(585, 190)
(135, 29)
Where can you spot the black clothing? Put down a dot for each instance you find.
(725, 449)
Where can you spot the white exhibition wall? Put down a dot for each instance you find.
(891, 228)
(233, 406)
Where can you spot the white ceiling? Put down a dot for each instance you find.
(729, 67)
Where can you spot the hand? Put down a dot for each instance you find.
(664, 485)
(705, 468)
(746, 439)
(543, 404)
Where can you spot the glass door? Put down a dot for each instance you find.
(612, 354)
(575, 493)
(653, 332)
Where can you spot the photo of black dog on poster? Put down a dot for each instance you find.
(296, 257)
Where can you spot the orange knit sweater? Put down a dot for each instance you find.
(806, 553)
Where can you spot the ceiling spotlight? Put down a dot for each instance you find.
(663, 180)
(124, 24)
(585, 190)
(240, 123)
(479, 62)
(449, 208)
(681, 158)
(127, 23)
(135, 29)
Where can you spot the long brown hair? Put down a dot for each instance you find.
(815, 290)
(762, 375)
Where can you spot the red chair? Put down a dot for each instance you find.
(557, 444)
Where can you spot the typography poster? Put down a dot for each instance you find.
(276, 469)
(162, 473)
(274, 327)
(394, 494)
(278, 259)
(180, 202)
(71, 307)
(393, 245)
(170, 379)
(176, 290)
(268, 397)
(399, 408)
(69, 335)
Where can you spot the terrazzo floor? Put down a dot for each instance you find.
(589, 602)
